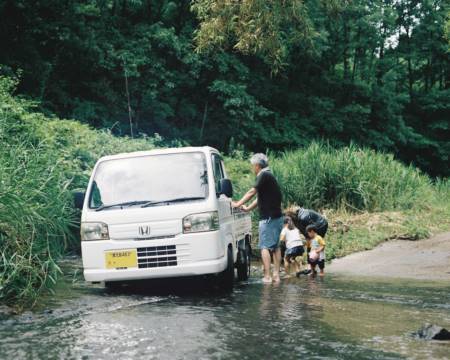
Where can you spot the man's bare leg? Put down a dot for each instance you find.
(266, 259)
(276, 264)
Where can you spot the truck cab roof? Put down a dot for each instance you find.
(186, 149)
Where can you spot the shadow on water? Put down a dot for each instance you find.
(183, 287)
(335, 317)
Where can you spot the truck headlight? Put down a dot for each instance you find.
(94, 231)
(208, 221)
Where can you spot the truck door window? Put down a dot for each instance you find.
(96, 197)
(217, 171)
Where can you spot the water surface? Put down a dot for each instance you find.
(334, 317)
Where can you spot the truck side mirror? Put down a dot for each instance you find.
(78, 199)
(226, 188)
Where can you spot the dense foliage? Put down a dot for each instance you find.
(43, 159)
(268, 74)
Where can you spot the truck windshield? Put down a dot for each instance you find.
(153, 178)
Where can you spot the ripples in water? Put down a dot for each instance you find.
(334, 317)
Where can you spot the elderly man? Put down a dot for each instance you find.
(271, 220)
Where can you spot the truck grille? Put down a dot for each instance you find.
(157, 256)
(155, 237)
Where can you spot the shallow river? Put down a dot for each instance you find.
(334, 317)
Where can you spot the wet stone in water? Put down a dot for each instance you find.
(433, 332)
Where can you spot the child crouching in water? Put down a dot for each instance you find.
(316, 250)
(294, 245)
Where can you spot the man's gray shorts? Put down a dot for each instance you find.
(269, 233)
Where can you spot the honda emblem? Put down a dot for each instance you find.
(144, 230)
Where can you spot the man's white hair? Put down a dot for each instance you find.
(260, 159)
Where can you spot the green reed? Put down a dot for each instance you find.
(42, 161)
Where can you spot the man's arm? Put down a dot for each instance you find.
(245, 198)
(250, 207)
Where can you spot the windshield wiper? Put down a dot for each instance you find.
(151, 203)
(128, 203)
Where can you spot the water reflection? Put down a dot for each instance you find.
(332, 317)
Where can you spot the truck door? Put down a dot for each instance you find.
(224, 203)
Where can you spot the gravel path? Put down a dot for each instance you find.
(423, 259)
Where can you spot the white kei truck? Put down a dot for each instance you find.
(160, 214)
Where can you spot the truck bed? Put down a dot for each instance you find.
(242, 224)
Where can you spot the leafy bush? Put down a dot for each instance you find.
(42, 160)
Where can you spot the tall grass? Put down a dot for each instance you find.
(35, 220)
(42, 160)
(321, 176)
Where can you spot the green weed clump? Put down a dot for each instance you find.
(42, 160)
(35, 219)
(321, 176)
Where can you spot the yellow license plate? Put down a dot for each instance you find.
(121, 259)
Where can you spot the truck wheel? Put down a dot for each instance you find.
(243, 266)
(226, 278)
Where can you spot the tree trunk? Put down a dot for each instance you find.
(410, 74)
(379, 69)
(345, 53)
(410, 78)
(205, 115)
(356, 54)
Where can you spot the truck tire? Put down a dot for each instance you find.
(226, 277)
(243, 265)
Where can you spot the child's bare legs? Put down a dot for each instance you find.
(322, 268)
(297, 265)
(308, 264)
(286, 265)
(313, 269)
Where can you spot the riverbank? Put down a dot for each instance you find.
(427, 259)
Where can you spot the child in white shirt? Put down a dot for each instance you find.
(294, 245)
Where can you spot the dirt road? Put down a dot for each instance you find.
(423, 259)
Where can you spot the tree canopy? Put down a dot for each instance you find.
(269, 29)
(258, 74)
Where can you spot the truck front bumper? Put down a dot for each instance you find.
(193, 269)
(196, 254)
